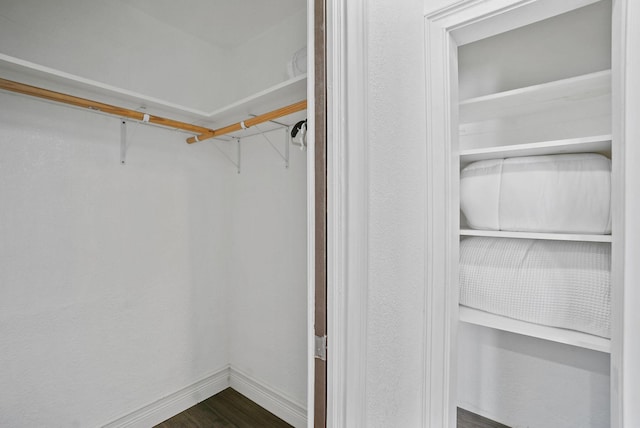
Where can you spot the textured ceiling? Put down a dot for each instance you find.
(225, 23)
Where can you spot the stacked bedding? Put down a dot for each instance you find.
(557, 283)
(556, 193)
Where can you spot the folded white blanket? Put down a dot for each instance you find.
(556, 283)
(568, 193)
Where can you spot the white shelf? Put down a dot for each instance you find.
(592, 144)
(535, 98)
(277, 96)
(543, 120)
(560, 335)
(536, 235)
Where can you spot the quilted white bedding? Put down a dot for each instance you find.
(568, 193)
(556, 283)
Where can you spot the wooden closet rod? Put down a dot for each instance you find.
(203, 133)
(94, 105)
(283, 111)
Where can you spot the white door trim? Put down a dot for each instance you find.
(347, 224)
(311, 215)
(625, 372)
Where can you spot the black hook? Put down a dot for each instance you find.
(296, 128)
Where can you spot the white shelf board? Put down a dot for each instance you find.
(22, 71)
(536, 235)
(277, 96)
(560, 335)
(591, 144)
(535, 98)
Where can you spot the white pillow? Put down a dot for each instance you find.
(567, 193)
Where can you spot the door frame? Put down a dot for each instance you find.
(467, 21)
(347, 213)
(317, 209)
(311, 213)
(625, 380)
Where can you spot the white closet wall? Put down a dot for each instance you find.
(268, 272)
(115, 44)
(523, 381)
(262, 61)
(113, 280)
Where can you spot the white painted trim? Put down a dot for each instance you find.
(311, 213)
(463, 22)
(269, 398)
(468, 21)
(336, 233)
(625, 373)
(439, 410)
(161, 410)
(617, 215)
(336, 239)
(631, 329)
(348, 212)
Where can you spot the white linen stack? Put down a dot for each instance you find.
(557, 283)
(569, 193)
(560, 283)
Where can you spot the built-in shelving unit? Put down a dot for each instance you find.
(564, 116)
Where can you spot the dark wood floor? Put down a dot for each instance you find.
(467, 419)
(230, 409)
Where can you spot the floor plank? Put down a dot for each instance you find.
(228, 409)
(466, 419)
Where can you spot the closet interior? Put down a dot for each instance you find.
(154, 179)
(535, 236)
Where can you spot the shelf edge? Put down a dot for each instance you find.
(69, 78)
(552, 334)
(537, 88)
(536, 235)
(540, 145)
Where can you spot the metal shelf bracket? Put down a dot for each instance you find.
(123, 142)
(237, 161)
(285, 156)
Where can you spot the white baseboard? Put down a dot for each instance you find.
(265, 396)
(175, 403)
